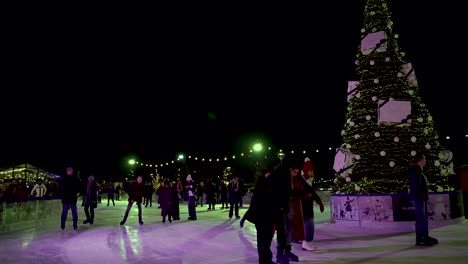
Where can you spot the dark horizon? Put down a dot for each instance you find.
(207, 84)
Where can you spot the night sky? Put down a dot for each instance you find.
(91, 94)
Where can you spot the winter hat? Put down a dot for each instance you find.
(308, 166)
(189, 177)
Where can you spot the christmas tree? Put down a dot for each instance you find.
(387, 122)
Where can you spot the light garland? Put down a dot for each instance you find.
(225, 158)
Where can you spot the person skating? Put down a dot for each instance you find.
(69, 188)
(135, 194)
(90, 199)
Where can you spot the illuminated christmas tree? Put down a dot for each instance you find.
(387, 122)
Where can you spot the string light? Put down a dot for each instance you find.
(217, 159)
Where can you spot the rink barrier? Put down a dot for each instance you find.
(28, 212)
(394, 210)
(17, 215)
(37, 211)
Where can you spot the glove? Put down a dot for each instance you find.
(322, 208)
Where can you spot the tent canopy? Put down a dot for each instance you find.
(27, 173)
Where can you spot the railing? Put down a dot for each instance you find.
(30, 211)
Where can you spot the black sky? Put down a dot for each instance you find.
(93, 90)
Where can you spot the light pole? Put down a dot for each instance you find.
(281, 156)
(131, 162)
(258, 149)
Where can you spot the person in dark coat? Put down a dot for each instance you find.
(200, 191)
(166, 199)
(110, 193)
(262, 212)
(175, 205)
(419, 194)
(283, 175)
(210, 191)
(148, 198)
(309, 198)
(90, 199)
(69, 189)
(135, 194)
(233, 191)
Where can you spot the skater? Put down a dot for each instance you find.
(166, 199)
(90, 200)
(135, 194)
(69, 187)
(110, 193)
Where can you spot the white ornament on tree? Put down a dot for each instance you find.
(376, 80)
(396, 139)
(372, 62)
(348, 179)
(437, 163)
(382, 153)
(368, 117)
(411, 92)
(413, 139)
(358, 95)
(396, 36)
(391, 163)
(413, 153)
(399, 74)
(356, 136)
(420, 119)
(374, 98)
(363, 30)
(343, 132)
(357, 157)
(377, 134)
(356, 187)
(351, 123)
(348, 146)
(428, 146)
(387, 59)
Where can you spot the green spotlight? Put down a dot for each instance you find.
(257, 147)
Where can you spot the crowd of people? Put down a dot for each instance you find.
(283, 201)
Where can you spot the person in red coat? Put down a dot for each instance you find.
(135, 194)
